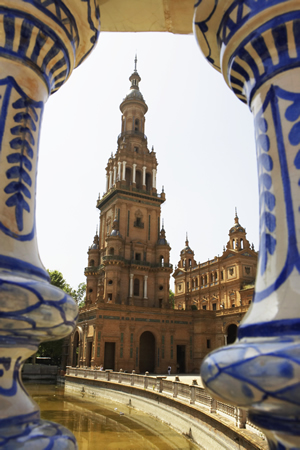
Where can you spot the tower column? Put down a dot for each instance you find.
(134, 173)
(124, 171)
(257, 46)
(115, 174)
(145, 286)
(107, 183)
(154, 178)
(110, 179)
(144, 175)
(131, 285)
(119, 170)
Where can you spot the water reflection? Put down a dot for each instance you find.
(104, 424)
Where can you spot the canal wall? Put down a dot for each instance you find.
(40, 373)
(177, 404)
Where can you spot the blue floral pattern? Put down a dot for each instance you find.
(274, 98)
(21, 154)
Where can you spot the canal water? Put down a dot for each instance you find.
(103, 424)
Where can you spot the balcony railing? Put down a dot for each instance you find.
(135, 262)
(132, 133)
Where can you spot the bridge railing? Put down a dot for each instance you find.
(192, 394)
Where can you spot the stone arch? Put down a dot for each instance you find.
(231, 333)
(147, 343)
(76, 346)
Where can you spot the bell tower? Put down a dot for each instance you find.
(133, 253)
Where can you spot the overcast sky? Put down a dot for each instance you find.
(202, 134)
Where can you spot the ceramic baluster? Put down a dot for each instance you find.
(40, 44)
(256, 46)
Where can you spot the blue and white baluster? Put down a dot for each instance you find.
(256, 45)
(40, 44)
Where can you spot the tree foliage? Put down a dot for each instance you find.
(172, 298)
(53, 349)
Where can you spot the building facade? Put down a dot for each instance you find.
(221, 283)
(128, 321)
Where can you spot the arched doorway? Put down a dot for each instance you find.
(75, 359)
(231, 333)
(147, 352)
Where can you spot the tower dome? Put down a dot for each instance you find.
(134, 94)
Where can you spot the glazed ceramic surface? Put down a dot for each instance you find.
(256, 46)
(40, 44)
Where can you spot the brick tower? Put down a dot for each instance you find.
(128, 262)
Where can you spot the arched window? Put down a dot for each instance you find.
(92, 262)
(212, 277)
(111, 251)
(136, 287)
(128, 176)
(148, 181)
(216, 276)
(162, 261)
(205, 279)
(183, 263)
(190, 262)
(242, 243)
(136, 125)
(138, 179)
(233, 243)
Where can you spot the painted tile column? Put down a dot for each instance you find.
(40, 44)
(256, 46)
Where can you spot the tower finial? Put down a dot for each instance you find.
(186, 239)
(135, 63)
(236, 219)
(163, 223)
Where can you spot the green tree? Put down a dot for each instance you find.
(172, 298)
(53, 349)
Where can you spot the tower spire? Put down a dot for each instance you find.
(236, 219)
(186, 239)
(135, 63)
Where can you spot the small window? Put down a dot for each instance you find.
(160, 303)
(161, 287)
(214, 307)
(92, 262)
(203, 306)
(136, 125)
(109, 297)
(187, 285)
(207, 343)
(138, 257)
(136, 149)
(90, 290)
(110, 282)
(233, 305)
(179, 287)
(222, 275)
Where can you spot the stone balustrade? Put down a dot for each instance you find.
(192, 394)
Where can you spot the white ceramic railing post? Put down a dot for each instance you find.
(40, 44)
(257, 46)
